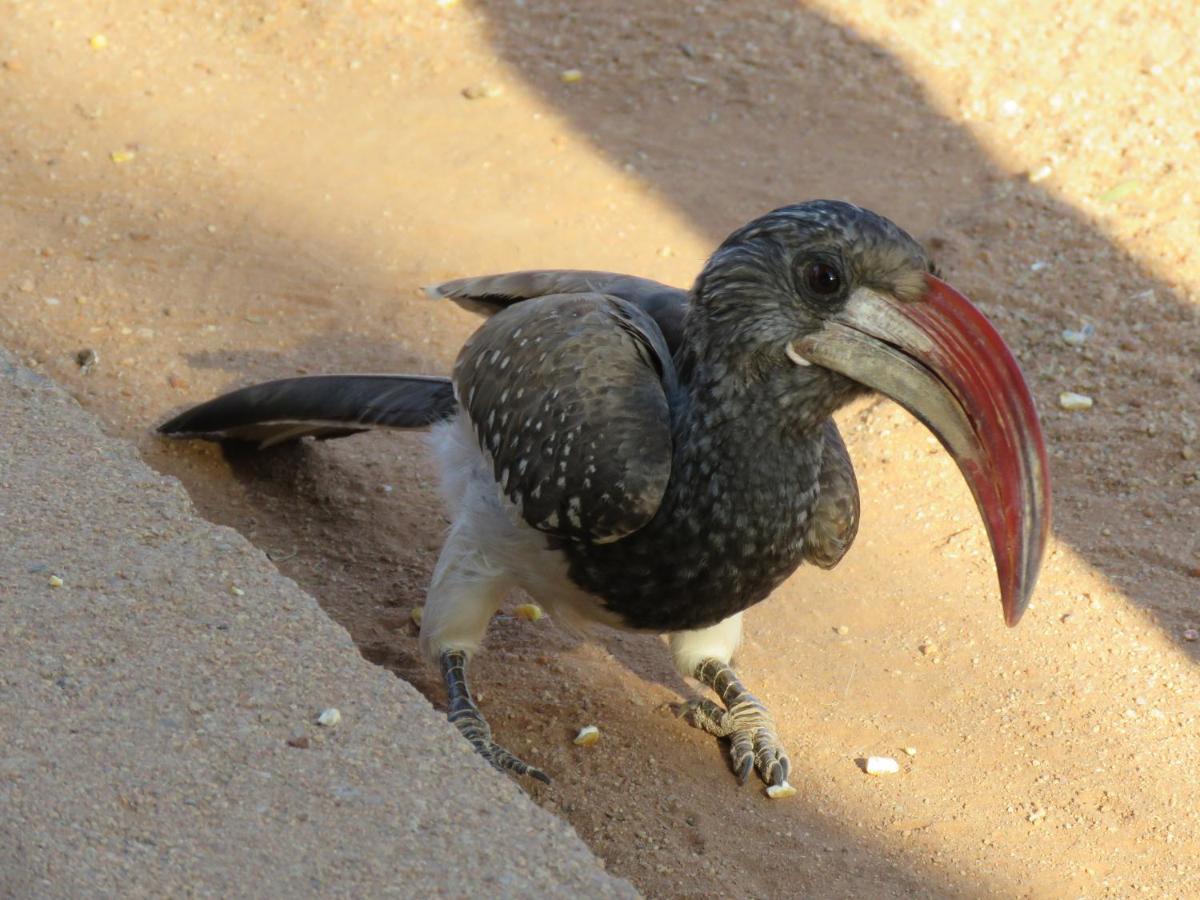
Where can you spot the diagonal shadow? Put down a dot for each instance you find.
(784, 104)
(734, 92)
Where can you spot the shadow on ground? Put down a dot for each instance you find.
(783, 105)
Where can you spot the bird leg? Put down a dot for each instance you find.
(745, 721)
(466, 717)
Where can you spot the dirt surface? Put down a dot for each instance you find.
(209, 198)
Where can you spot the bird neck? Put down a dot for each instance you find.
(764, 396)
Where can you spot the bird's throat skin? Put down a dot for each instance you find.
(743, 487)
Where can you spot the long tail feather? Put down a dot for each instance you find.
(322, 406)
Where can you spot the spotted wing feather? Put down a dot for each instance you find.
(569, 395)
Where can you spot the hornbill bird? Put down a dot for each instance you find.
(649, 458)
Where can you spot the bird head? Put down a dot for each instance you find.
(830, 296)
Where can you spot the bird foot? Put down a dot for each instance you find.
(753, 743)
(466, 717)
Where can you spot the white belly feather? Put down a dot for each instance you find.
(489, 550)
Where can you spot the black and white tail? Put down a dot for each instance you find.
(321, 406)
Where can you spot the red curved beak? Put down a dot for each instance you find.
(940, 358)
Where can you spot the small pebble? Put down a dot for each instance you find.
(530, 612)
(587, 736)
(1077, 338)
(843, 629)
(26, 286)
(910, 751)
(1191, 634)
(86, 359)
(484, 90)
(55, 581)
(416, 614)
(928, 648)
(571, 76)
(329, 717)
(1072, 401)
(1037, 815)
(882, 765)
(780, 791)
(300, 741)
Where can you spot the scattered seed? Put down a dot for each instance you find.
(928, 648)
(236, 591)
(910, 751)
(1072, 401)
(416, 614)
(1037, 815)
(843, 629)
(571, 76)
(1041, 173)
(882, 765)
(1120, 192)
(530, 612)
(587, 736)
(122, 156)
(329, 717)
(98, 42)
(55, 581)
(780, 791)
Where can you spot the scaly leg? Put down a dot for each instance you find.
(466, 717)
(753, 742)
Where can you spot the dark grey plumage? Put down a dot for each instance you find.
(676, 456)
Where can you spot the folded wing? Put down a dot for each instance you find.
(570, 397)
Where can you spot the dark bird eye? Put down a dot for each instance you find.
(822, 278)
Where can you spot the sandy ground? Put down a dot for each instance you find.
(205, 198)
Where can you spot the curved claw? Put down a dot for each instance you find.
(505, 761)
(466, 717)
(753, 744)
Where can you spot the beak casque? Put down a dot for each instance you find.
(941, 359)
